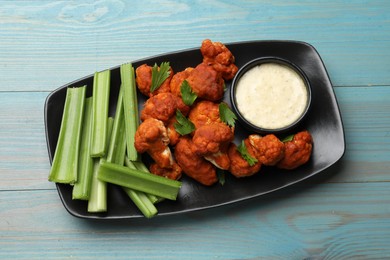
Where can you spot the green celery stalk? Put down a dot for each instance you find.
(117, 147)
(130, 104)
(98, 198)
(154, 199)
(142, 201)
(65, 162)
(139, 165)
(82, 187)
(100, 97)
(138, 180)
(116, 154)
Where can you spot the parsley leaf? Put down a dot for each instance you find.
(227, 116)
(245, 154)
(287, 138)
(221, 176)
(187, 94)
(159, 75)
(183, 125)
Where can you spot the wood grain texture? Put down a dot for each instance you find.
(343, 213)
(330, 221)
(368, 145)
(24, 161)
(55, 42)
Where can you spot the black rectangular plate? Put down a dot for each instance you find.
(323, 121)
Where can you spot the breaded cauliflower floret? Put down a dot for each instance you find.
(218, 56)
(239, 167)
(204, 113)
(178, 79)
(297, 151)
(152, 137)
(269, 149)
(173, 173)
(144, 81)
(206, 82)
(173, 135)
(212, 141)
(193, 165)
(163, 107)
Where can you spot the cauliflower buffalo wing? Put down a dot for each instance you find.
(297, 151)
(206, 82)
(152, 137)
(173, 135)
(212, 141)
(163, 107)
(144, 81)
(204, 113)
(239, 167)
(216, 54)
(193, 165)
(178, 79)
(173, 173)
(268, 149)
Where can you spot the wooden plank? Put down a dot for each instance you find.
(365, 111)
(327, 221)
(47, 44)
(24, 160)
(368, 145)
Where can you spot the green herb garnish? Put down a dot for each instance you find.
(227, 116)
(245, 154)
(221, 176)
(187, 94)
(183, 125)
(159, 75)
(287, 138)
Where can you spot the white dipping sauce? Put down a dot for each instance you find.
(271, 95)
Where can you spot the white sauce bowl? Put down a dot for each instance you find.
(270, 95)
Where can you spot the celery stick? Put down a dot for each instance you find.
(116, 154)
(82, 187)
(139, 165)
(130, 104)
(98, 198)
(142, 202)
(154, 199)
(100, 96)
(65, 162)
(138, 180)
(117, 147)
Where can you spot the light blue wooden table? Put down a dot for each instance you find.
(344, 213)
